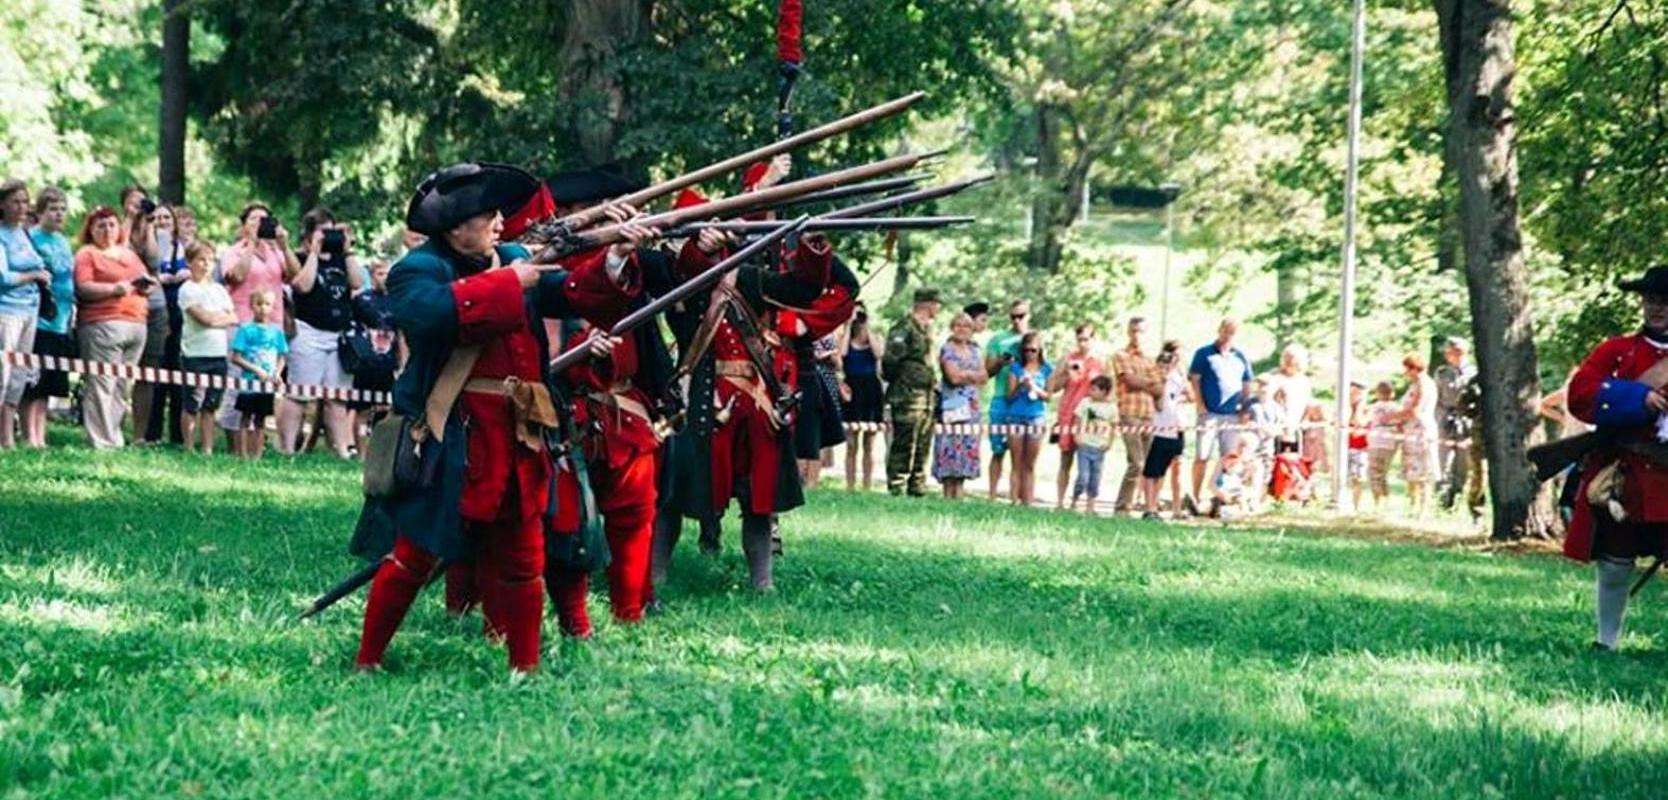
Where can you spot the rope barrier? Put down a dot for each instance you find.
(201, 380)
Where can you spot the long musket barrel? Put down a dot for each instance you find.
(683, 290)
(731, 206)
(856, 190)
(583, 219)
(897, 201)
(814, 225)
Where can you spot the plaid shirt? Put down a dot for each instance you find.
(1132, 404)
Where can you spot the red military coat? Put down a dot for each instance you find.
(491, 310)
(1645, 495)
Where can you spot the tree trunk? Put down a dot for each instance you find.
(1477, 45)
(176, 66)
(593, 92)
(1059, 193)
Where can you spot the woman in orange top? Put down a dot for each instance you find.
(111, 285)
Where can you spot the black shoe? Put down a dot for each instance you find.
(1600, 647)
(1151, 515)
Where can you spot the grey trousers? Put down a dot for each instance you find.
(1136, 446)
(105, 401)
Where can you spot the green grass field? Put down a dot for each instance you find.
(148, 648)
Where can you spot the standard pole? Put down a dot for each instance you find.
(1169, 252)
(1346, 298)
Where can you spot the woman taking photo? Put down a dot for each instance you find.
(112, 286)
(955, 457)
(22, 274)
(163, 250)
(863, 397)
(1027, 390)
(1073, 385)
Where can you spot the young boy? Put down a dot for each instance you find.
(1357, 462)
(1095, 418)
(208, 312)
(1231, 478)
(259, 348)
(1265, 417)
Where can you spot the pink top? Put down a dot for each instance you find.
(266, 271)
(1075, 389)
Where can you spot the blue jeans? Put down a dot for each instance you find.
(1089, 463)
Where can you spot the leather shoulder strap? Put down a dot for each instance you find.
(453, 375)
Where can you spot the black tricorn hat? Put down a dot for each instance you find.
(460, 192)
(590, 185)
(1654, 281)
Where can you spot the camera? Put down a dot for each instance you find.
(147, 206)
(334, 240)
(268, 228)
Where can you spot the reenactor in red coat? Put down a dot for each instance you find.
(476, 390)
(1621, 508)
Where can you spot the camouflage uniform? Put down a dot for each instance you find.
(1455, 426)
(909, 392)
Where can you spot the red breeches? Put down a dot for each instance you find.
(745, 446)
(506, 579)
(626, 497)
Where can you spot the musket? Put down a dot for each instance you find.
(816, 225)
(351, 584)
(584, 219)
(855, 190)
(730, 206)
(897, 201)
(679, 293)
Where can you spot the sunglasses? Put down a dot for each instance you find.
(1020, 315)
(1030, 350)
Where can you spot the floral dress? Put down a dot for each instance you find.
(956, 455)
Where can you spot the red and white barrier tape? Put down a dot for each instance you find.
(986, 428)
(198, 380)
(312, 392)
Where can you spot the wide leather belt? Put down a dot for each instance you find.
(534, 411)
(737, 369)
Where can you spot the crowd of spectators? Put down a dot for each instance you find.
(1256, 439)
(140, 287)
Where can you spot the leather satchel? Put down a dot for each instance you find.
(395, 459)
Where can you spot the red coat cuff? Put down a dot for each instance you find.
(812, 265)
(693, 261)
(599, 299)
(829, 312)
(488, 305)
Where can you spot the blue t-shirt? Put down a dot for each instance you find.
(60, 261)
(1222, 377)
(17, 255)
(260, 344)
(1024, 406)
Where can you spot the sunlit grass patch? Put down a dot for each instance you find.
(148, 647)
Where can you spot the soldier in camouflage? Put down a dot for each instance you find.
(1452, 421)
(911, 381)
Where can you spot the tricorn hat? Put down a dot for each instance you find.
(461, 192)
(590, 185)
(1654, 281)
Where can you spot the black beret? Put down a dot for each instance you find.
(461, 192)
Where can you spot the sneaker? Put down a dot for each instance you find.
(1151, 515)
